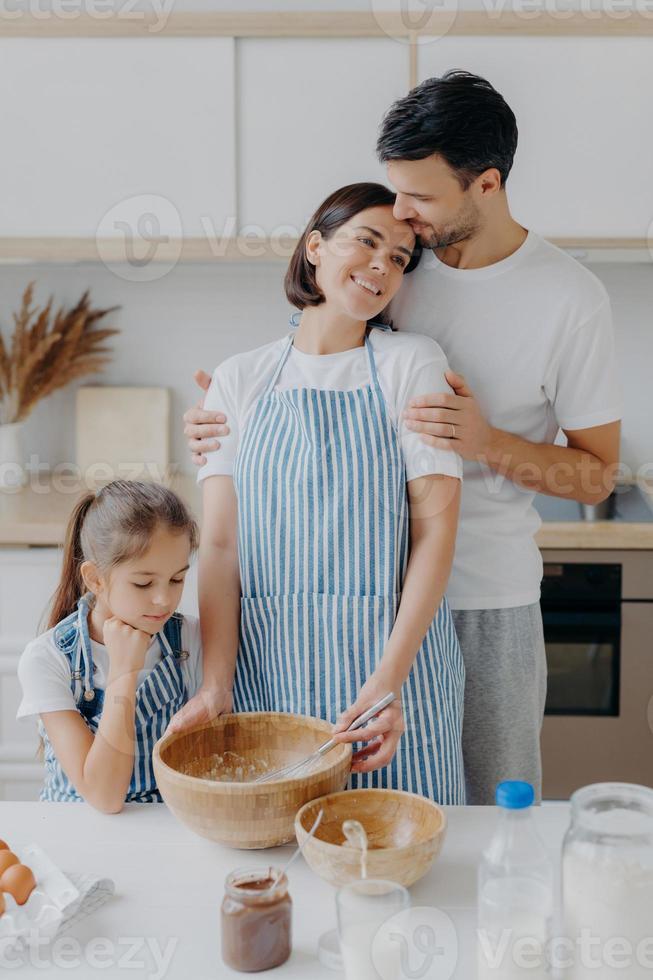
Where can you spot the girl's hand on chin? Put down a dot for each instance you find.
(382, 734)
(127, 646)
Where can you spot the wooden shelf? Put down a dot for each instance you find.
(344, 23)
(112, 251)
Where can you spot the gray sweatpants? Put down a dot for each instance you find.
(505, 691)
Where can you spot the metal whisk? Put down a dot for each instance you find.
(297, 768)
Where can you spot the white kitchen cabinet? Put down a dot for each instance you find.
(308, 113)
(28, 578)
(117, 137)
(583, 162)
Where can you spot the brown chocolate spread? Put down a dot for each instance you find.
(256, 927)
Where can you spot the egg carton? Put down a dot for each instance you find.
(44, 911)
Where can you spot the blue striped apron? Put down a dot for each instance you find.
(162, 692)
(323, 542)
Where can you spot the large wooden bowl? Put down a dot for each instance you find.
(246, 814)
(405, 834)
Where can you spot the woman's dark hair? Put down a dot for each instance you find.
(459, 116)
(114, 526)
(300, 282)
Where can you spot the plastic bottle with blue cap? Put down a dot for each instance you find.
(515, 893)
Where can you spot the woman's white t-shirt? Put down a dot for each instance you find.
(407, 365)
(45, 675)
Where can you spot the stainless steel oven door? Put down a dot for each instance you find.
(608, 734)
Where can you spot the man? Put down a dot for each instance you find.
(531, 329)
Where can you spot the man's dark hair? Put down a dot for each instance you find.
(459, 116)
(300, 282)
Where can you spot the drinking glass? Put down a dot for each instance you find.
(362, 909)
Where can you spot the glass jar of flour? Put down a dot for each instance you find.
(607, 884)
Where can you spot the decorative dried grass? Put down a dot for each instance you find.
(47, 353)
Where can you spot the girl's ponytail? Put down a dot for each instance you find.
(71, 585)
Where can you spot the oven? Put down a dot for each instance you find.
(597, 608)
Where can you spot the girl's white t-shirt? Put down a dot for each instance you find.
(407, 365)
(45, 675)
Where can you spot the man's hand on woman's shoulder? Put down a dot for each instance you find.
(203, 429)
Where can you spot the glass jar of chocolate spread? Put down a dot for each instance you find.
(256, 921)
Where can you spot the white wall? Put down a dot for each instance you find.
(631, 292)
(195, 316)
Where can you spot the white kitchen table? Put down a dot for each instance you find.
(163, 921)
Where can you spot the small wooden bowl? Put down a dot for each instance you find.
(241, 814)
(405, 834)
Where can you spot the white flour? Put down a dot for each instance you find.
(611, 898)
(227, 768)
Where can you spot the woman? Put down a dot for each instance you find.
(329, 527)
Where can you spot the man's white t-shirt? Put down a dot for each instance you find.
(407, 365)
(532, 334)
(45, 675)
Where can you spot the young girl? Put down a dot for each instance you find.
(328, 527)
(117, 660)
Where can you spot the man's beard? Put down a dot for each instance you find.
(465, 226)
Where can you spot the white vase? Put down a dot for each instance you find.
(13, 472)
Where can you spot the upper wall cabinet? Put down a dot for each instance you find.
(583, 165)
(102, 134)
(308, 115)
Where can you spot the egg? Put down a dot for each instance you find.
(19, 881)
(4, 846)
(6, 861)
(2, 905)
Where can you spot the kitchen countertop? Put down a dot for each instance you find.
(595, 535)
(169, 887)
(37, 515)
